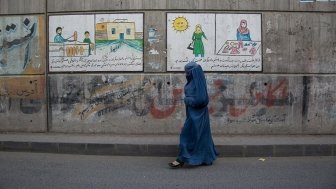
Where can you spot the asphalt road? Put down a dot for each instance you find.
(48, 171)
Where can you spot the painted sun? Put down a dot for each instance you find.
(180, 24)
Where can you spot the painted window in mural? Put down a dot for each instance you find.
(218, 42)
(22, 45)
(96, 42)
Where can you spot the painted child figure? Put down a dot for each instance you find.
(88, 40)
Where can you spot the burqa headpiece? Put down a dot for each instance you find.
(196, 94)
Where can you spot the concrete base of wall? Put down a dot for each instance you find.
(167, 145)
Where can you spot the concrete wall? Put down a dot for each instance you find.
(294, 94)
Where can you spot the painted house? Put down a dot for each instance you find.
(119, 29)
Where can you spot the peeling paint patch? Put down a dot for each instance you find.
(269, 51)
(155, 65)
(269, 26)
(153, 51)
(152, 36)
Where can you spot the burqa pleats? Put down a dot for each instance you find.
(196, 143)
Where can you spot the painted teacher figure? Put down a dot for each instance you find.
(59, 38)
(243, 33)
(196, 144)
(197, 40)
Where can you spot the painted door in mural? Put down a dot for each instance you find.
(95, 42)
(218, 42)
(22, 45)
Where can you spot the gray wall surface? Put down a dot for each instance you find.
(235, 5)
(22, 6)
(294, 94)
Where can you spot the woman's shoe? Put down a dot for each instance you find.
(176, 164)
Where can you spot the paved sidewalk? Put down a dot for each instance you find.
(167, 145)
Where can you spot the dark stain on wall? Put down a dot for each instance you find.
(305, 96)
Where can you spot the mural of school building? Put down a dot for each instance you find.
(119, 29)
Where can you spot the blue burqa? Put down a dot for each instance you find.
(196, 144)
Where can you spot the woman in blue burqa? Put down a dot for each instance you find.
(196, 144)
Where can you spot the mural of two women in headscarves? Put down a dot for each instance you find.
(243, 33)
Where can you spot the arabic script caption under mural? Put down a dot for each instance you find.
(218, 42)
(99, 42)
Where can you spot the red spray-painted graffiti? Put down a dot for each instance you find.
(162, 98)
(274, 95)
(159, 113)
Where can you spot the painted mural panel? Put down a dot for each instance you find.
(96, 42)
(22, 103)
(22, 45)
(218, 42)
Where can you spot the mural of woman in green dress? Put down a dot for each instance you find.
(197, 40)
